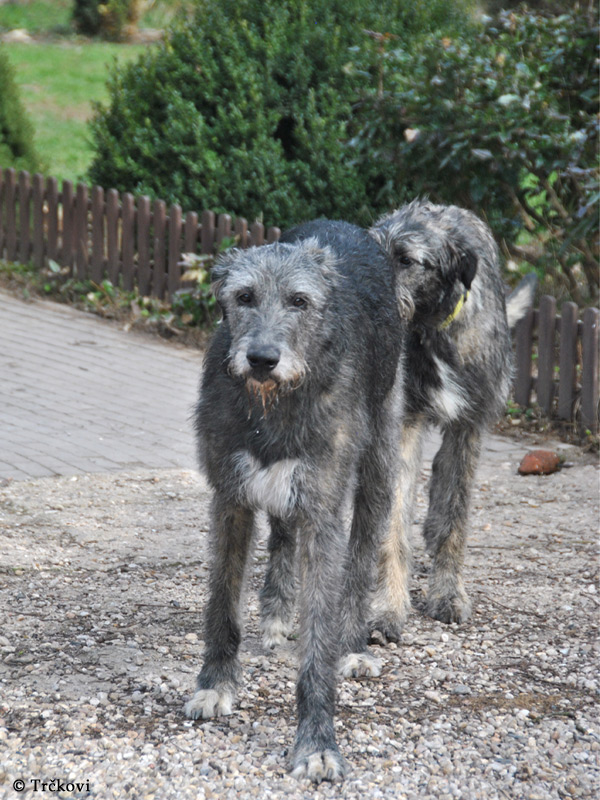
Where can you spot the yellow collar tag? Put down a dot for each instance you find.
(457, 309)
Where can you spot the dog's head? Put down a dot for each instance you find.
(273, 300)
(434, 249)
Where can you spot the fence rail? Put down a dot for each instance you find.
(139, 242)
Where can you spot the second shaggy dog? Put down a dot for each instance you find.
(458, 375)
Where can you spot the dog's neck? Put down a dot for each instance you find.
(456, 311)
(428, 323)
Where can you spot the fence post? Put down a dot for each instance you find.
(24, 216)
(128, 241)
(223, 229)
(112, 235)
(523, 350)
(273, 235)
(143, 245)
(38, 220)
(52, 201)
(257, 234)
(160, 224)
(208, 232)
(81, 231)
(97, 234)
(190, 237)
(589, 377)
(567, 360)
(10, 195)
(68, 212)
(174, 280)
(546, 330)
(240, 229)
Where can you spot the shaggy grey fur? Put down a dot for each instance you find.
(300, 404)
(458, 374)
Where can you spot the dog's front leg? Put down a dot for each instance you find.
(232, 528)
(316, 755)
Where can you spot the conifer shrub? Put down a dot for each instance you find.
(17, 147)
(245, 107)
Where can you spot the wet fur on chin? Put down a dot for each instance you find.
(268, 392)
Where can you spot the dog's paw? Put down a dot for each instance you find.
(386, 628)
(325, 765)
(388, 617)
(359, 665)
(449, 608)
(208, 703)
(275, 632)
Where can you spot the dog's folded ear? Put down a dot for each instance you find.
(461, 265)
(320, 254)
(221, 269)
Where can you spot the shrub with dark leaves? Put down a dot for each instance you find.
(504, 122)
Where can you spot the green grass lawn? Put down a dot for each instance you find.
(58, 81)
(60, 75)
(37, 16)
(54, 16)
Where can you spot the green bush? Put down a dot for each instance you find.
(245, 107)
(16, 131)
(504, 122)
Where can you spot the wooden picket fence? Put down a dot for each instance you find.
(139, 243)
(97, 234)
(566, 379)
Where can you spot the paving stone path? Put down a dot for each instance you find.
(80, 395)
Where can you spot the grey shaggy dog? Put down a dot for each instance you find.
(300, 406)
(458, 374)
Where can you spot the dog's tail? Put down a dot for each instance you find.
(520, 300)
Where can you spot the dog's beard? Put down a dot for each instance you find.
(265, 392)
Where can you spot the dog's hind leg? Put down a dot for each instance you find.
(391, 601)
(232, 529)
(278, 594)
(372, 508)
(445, 527)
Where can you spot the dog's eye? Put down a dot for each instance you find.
(298, 301)
(244, 299)
(405, 261)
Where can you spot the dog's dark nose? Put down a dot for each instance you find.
(263, 359)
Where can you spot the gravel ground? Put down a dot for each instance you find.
(102, 583)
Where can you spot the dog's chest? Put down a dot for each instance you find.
(448, 399)
(434, 386)
(273, 488)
